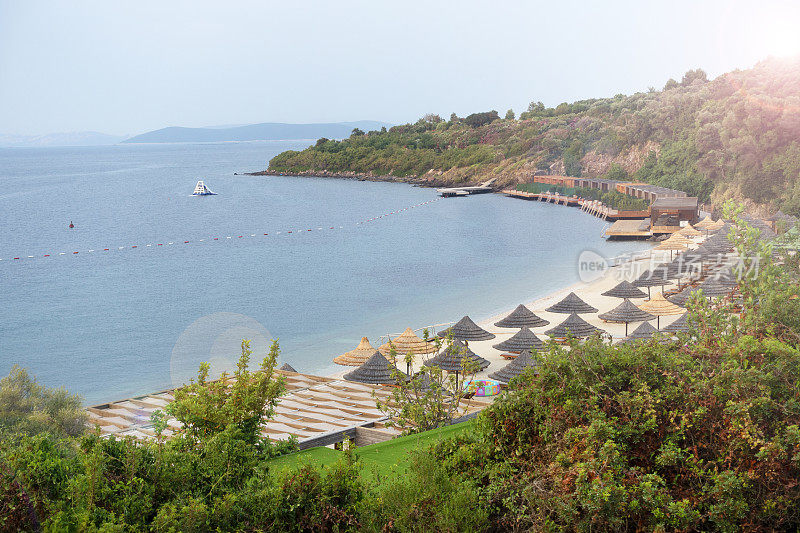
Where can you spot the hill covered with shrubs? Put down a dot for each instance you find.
(698, 432)
(736, 136)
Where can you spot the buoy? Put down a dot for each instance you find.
(71, 225)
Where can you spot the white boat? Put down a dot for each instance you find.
(201, 190)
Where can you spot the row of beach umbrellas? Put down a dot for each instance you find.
(374, 367)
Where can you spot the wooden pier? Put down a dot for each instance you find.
(593, 207)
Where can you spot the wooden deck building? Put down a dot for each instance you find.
(317, 410)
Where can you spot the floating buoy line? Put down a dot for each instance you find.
(212, 239)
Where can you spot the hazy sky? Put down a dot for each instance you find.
(127, 67)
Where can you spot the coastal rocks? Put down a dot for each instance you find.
(434, 180)
(596, 164)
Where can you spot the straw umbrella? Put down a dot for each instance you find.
(357, 356)
(652, 278)
(407, 343)
(288, 368)
(467, 330)
(643, 331)
(376, 371)
(727, 278)
(515, 367)
(682, 324)
(705, 223)
(671, 246)
(450, 359)
(524, 339)
(679, 238)
(626, 312)
(571, 304)
(573, 326)
(625, 289)
(521, 317)
(689, 231)
(712, 287)
(660, 306)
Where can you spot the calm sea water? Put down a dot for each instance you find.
(114, 324)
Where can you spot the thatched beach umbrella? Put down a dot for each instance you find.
(521, 317)
(376, 371)
(719, 243)
(515, 367)
(660, 306)
(727, 278)
(652, 278)
(689, 231)
(705, 223)
(680, 239)
(643, 332)
(671, 246)
(357, 356)
(715, 286)
(571, 304)
(573, 326)
(712, 287)
(450, 359)
(716, 225)
(682, 298)
(407, 343)
(626, 312)
(287, 368)
(523, 340)
(682, 324)
(625, 289)
(467, 330)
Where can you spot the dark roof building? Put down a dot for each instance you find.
(681, 208)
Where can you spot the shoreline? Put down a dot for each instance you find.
(433, 181)
(589, 291)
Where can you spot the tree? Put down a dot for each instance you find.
(536, 107)
(572, 159)
(671, 84)
(357, 132)
(479, 119)
(241, 401)
(510, 115)
(321, 141)
(616, 172)
(431, 118)
(30, 408)
(432, 397)
(694, 75)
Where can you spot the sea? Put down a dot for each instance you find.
(151, 281)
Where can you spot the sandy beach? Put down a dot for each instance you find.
(590, 291)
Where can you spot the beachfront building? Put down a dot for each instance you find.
(667, 213)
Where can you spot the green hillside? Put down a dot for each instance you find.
(732, 137)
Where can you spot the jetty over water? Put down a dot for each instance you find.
(483, 188)
(669, 210)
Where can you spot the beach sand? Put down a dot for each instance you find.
(590, 292)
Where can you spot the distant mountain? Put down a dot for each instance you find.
(268, 131)
(75, 138)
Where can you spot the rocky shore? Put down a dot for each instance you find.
(431, 179)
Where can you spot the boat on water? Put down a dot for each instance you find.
(201, 190)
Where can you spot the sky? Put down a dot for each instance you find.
(129, 67)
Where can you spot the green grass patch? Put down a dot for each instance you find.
(382, 459)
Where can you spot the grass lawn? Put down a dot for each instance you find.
(379, 459)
